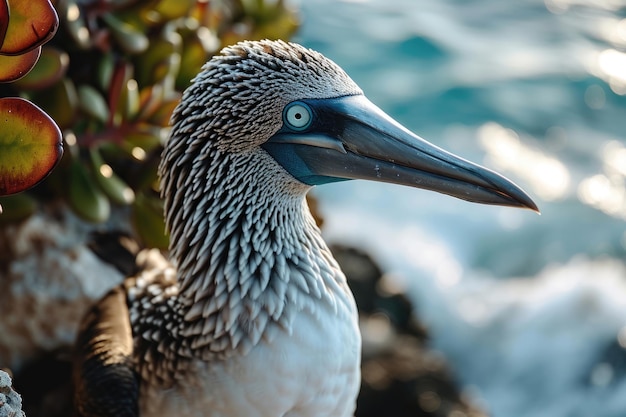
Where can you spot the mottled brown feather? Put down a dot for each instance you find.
(105, 383)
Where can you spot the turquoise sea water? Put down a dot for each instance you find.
(531, 310)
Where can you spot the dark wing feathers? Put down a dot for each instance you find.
(105, 383)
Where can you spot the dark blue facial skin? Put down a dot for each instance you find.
(350, 138)
(323, 126)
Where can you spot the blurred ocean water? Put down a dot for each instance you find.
(531, 310)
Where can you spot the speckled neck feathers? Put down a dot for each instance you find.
(248, 258)
(247, 252)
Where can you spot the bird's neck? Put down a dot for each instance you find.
(249, 256)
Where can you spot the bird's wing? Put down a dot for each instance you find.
(105, 382)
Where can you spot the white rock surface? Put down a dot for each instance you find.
(10, 401)
(48, 278)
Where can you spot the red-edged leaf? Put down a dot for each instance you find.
(150, 99)
(4, 19)
(13, 68)
(122, 73)
(30, 145)
(31, 24)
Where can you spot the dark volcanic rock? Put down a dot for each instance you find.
(401, 376)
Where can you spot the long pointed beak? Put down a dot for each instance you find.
(351, 138)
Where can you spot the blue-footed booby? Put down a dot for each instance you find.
(250, 315)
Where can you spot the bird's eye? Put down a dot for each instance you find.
(297, 116)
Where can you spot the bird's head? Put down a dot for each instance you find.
(300, 108)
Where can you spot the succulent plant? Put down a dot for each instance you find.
(111, 78)
(30, 141)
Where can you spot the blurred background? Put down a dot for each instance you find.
(529, 309)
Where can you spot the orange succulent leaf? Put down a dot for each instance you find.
(31, 24)
(50, 68)
(4, 19)
(30, 145)
(14, 67)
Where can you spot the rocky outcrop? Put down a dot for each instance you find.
(10, 401)
(48, 278)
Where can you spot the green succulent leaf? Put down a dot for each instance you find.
(16, 208)
(60, 101)
(85, 196)
(113, 186)
(160, 60)
(146, 138)
(148, 221)
(31, 24)
(130, 39)
(150, 98)
(74, 23)
(51, 67)
(130, 97)
(30, 145)
(104, 71)
(92, 103)
(194, 54)
(163, 114)
(14, 67)
(146, 178)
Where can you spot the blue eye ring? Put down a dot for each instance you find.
(297, 116)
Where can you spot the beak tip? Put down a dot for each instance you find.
(526, 202)
(535, 209)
